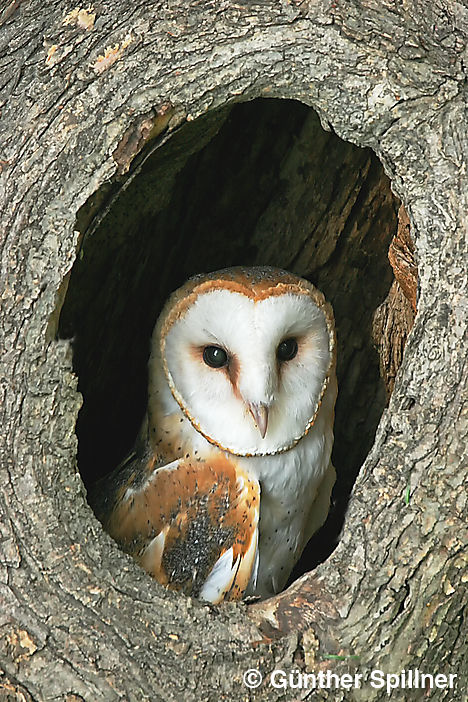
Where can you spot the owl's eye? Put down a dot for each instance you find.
(214, 356)
(286, 350)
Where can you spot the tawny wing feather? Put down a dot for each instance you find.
(193, 525)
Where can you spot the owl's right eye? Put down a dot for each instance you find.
(215, 356)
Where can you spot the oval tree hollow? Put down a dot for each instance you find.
(257, 183)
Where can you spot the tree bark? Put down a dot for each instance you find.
(394, 318)
(87, 97)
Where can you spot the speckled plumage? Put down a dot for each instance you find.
(231, 473)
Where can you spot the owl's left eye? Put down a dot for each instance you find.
(286, 350)
(215, 356)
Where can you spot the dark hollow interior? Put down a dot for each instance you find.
(258, 183)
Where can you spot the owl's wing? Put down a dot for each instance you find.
(192, 525)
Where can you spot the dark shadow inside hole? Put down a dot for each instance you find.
(262, 183)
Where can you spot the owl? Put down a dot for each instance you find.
(231, 472)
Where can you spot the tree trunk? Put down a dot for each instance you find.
(111, 118)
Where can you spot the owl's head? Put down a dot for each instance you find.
(247, 354)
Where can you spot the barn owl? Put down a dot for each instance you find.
(231, 472)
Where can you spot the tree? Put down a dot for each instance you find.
(94, 103)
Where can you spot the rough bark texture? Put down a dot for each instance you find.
(86, 96)
(394, 318)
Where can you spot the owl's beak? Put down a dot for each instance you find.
(259, 412)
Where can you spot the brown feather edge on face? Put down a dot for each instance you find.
(258, 284)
